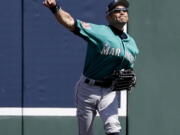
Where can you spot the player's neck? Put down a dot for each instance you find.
(116, 30)
(119, 27)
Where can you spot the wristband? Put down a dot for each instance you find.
(55, 9)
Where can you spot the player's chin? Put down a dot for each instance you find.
(122, 22)
(123, 19)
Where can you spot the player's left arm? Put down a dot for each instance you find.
(62, 16)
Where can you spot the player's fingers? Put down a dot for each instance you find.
(51, 2)
(45, 3)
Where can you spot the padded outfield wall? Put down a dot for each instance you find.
(40, 62)
(154, 107)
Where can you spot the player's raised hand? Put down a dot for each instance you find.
(49, 3)
(62, 16)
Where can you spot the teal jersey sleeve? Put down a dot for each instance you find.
(93, 33)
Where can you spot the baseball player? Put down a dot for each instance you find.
(108, 68)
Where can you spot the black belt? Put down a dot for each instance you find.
(104, 84)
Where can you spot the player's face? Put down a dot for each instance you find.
(119, 15)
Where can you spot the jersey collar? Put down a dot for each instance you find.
(121, 34)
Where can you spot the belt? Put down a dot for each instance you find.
(104, 84)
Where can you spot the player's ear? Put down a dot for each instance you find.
(108, 17)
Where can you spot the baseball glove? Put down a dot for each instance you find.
(124, 79)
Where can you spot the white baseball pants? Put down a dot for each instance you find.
(91, 99)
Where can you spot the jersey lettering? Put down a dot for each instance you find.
(107, 50)
(86, 25)
(129, 56)
(111, 52)
(118, 51)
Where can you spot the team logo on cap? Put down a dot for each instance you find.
(86, 25)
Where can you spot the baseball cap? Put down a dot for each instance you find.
(114, 3)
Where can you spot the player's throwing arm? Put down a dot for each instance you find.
(62, 16)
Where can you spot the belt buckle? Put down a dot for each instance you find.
(90, 82)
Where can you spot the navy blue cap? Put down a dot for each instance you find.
(114, 3)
